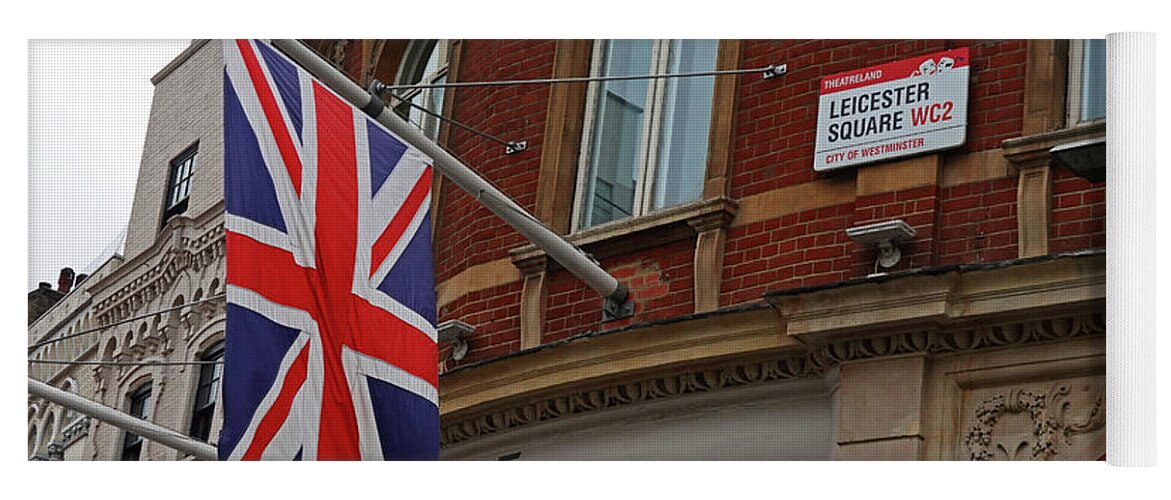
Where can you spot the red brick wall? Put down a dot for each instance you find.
(979, 222)
(773, 143)
(470, 233)
(777, 119)
(801, 249)
(661, 280)
(1079, 213)
(495, 314)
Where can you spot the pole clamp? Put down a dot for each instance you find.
(375, 105)
(617, 305)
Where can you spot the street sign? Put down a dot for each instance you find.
(897, 109)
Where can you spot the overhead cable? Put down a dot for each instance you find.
(770, 71)
(122, 322)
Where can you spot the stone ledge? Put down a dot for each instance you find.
(936, 297)
(637, 233)
(1033, 150)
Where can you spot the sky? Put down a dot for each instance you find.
(88, 105)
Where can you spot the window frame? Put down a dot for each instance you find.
(173, 208)
(203, 412)
(1075, 85)
(132, 443)
(649, 142)
(418, 65)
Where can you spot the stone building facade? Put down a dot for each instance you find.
(173, 255)
(759, 331)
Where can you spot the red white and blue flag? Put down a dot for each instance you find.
(330, 343)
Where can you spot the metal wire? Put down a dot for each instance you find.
(579, 79)
(408, 102)
(128, 320)
(124, 363)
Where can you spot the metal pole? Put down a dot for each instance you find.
(144, 428)
(569, 256)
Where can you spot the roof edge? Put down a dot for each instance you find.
(179, 60)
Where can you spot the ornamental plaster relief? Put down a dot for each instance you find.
(1063, 420)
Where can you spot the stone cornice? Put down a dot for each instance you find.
(183, 243)
(958, 310)
(955, 295)
(1033, 150)
(801, 362)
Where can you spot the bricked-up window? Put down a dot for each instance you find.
(206, 392)
(139, 407)
(425, 62)
(179, 185)
(644, 141)
(1087, 80)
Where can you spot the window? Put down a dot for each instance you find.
(645, 141)
(425, 62)
(139, 407)
(1087, 81)
(179, 186)
(32, 441)
(69, 386)
(206, 392)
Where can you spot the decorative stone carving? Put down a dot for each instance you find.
(185, 252)
(77, 430)
(811, 362)
(1048, 428)
(337, 54)
(201, 315)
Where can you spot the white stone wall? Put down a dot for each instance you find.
(186, 109)
(72, 314)
(165, 265)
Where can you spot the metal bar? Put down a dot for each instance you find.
(569, 256)
(33, 347)
(767, 70)
(121, 420)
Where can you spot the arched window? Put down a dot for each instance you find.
(206, 392)
(69, 386)
(111, 348)
(49, 430)
(424, 62)
(32, 441)
(174, 316)
(139, 407)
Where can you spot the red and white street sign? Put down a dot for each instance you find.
(897, 109)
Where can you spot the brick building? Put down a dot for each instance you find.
(759, 330)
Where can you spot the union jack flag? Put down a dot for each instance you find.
(330, 348)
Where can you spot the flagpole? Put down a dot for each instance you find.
(121, 420)
(570, 257)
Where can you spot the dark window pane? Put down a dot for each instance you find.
(139, 407)
(206, 393)
(179, 184)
